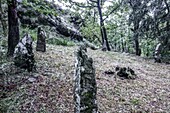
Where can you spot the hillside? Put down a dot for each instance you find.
(50, 88)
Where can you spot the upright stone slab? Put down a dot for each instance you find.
(23, 54)
(41, 43)
(84, 84)
(157, 53)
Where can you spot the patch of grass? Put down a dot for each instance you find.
(60, 41)
(135, 101)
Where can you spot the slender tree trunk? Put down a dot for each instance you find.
(122, 43)
(136, 38)
(2, 19)
(105, 44)
(138, 52)
(13, 29)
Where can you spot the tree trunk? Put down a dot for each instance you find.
(2, 19)
(136, 38)
(138, 51)
(13, 30)
(105, 44)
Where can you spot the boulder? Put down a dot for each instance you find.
(85, 88)
(124, 72)
(41, 40)
(23, 54)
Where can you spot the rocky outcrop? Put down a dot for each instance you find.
(23, 54)
(85, 88)
(32, 16)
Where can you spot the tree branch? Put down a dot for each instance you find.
(82, 6)
(112, 11)
(93, 1)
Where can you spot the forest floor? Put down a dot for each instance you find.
(50, 88)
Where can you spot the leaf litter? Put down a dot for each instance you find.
(50, 88)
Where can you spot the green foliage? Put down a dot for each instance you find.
(92, 32)
(40, 6)
(148, 46)
(32, 32)
(60, 41)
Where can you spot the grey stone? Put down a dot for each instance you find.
(85, 89)
(41, 40)
(31, 79)
(23, 54)
(157, 53)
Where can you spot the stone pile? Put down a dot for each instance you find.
(126, 73)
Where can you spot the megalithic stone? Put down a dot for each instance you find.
(85, 88)
(23, 54)
(157, 53)
(41, 40)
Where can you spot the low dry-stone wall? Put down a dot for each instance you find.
(84, 84)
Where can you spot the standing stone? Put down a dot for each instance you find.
(23, 54)
(157, 54)
(84, 84)
(41, 43)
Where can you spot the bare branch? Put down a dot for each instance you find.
(81, 5)
(112, 11)
(93, 1)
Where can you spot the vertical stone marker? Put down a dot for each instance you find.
(23, 54)
(85, 88)
(41, 43)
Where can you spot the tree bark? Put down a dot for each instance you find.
(136, 38)
(105, 44)
(13, 29)
(138, 51)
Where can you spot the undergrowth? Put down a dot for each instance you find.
(60, 41)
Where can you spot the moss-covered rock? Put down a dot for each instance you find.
(85, 88)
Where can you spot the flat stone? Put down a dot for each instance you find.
(31, 79)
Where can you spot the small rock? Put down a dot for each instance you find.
(31, 79)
